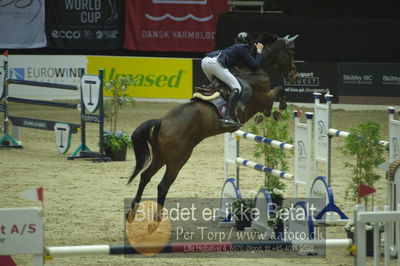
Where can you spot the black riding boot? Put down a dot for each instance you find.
(229, 118)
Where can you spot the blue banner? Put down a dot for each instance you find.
(369, 79)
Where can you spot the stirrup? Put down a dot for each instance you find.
(228, 123)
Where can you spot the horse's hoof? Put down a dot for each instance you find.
(130, 216)
(259, 119)
(277, 115)
(282, 106)
(151, 227)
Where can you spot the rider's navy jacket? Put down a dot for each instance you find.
(232, 55)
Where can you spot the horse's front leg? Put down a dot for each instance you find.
(277, 115)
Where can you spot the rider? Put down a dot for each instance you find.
(217, 64)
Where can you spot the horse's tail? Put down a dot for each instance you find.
(141, 139)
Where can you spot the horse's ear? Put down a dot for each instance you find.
(293, 38)
(289, 41)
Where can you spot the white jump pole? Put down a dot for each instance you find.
(86, 250)
(82, 250)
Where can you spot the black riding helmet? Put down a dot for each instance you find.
(243, 37)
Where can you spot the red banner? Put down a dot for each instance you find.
(172, 25)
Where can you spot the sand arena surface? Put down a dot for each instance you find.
(84, 201)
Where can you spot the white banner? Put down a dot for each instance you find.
(62, 69)
(22, 24)
(22, 231)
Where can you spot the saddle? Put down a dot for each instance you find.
(213, 90)
(217, 94)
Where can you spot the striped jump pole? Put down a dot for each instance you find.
(265, 169)
(344, 134)
(193, 247)
(267, 141)
(301, 148)
(323, 141)
(323, 133)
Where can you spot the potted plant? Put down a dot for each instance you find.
(367, 154)
(349, 229)
(277, 190)
(117, 142)
(276, 222)
(116, 145)
(278, 130)
(244, 212)
(272, 157)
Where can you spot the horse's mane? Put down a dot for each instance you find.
(266, 38)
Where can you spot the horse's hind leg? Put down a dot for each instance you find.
(170, 175)
(165, 184)
(145, 177)
(163, 187)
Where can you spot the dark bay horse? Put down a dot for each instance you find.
(173, 137)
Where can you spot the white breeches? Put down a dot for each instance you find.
(212, 68)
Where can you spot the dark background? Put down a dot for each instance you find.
(330, 31)
(321, 39)
(337, 38)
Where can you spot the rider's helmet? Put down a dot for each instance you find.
(243, 37)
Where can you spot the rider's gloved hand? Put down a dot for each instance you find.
(259, 46)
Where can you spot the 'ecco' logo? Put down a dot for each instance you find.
(66, 34)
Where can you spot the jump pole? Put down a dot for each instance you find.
(33, 240)
(194, 247)
(323, 133)
(231, 190)
(301, 149)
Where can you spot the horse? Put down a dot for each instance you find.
(173, 137)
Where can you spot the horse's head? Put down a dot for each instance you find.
(279, 54)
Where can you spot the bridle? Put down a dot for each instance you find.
(273, 55)
(274, 60)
